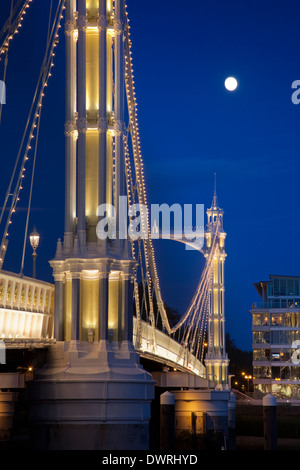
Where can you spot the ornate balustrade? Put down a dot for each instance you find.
(26, 307)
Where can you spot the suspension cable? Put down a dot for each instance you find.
(8, 193)
(34, 158)
(150, 267)
(6, 61)
(44, 75)
(203, 276)
(13, 24)
(195, 318)
(30, 194)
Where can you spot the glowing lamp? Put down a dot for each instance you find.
(34, 239)
(34, 242)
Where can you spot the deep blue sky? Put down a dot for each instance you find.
(191, 127)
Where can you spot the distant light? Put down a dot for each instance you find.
(231, 83)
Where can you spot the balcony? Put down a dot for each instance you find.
(290, 304)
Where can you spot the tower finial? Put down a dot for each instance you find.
(215, 203)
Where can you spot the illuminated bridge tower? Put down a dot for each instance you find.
(216, 360)
(93, 275)
(93, 393)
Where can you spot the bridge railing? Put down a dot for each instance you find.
(164, 348)
(26, 307)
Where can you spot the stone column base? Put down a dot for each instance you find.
(91, 397)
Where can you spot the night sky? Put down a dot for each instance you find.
(191, 127)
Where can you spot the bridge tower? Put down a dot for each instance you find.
(93, 381)
(216, 360)
(94, 274)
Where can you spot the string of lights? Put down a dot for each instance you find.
(201, 310)
(204, 275)
(150, 265)
(140, 180)
(12, 26)
(130, 195)
(195, 319)
(44, 76)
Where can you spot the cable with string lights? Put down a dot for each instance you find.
(13, 24)
(195, 319)
(32, 125)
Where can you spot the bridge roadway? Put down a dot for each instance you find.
(26, 321)
(160, 347)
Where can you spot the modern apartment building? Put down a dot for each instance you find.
(276, 330)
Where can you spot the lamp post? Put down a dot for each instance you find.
(34, 242)
(248, 377)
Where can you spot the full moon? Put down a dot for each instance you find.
(231, 84)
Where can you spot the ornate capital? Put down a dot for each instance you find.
(102, 124)
(119, 126)
(69, 27)
(69, 128)
(102, 22)
(82, 22)
(82, 125)
(118, 26)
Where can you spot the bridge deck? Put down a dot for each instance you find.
(27, 315)
(160, 347)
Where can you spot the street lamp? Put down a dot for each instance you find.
(34, 242)
(248, 377)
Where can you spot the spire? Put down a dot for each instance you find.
(215, 202)
(215, 212)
